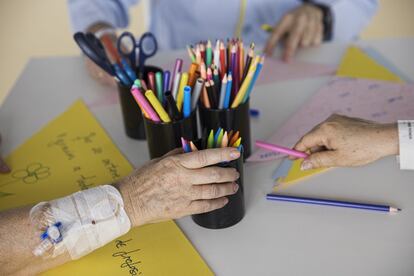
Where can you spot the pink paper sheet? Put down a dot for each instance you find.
(373, 100)
(275, 70)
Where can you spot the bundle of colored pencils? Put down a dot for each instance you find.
(220, 139)
(227, 74)
(156, 100)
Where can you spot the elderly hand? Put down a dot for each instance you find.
(345, 141)
(179, 185)
(3, 166)
(99, 74)
(303, 27)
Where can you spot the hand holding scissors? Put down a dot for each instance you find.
(147, 46)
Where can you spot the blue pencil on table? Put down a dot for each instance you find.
(334, 203)
(254, 112)
(187, 102)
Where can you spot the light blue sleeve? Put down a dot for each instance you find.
(350, 16)
(84, 13)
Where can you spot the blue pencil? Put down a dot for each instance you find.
(335, 203)
(166, 80)
(256, 74)
(217, 135)
(187, 102)
(228, 92)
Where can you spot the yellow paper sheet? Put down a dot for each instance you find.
(73, 152)
(356, 64)
(295, 174)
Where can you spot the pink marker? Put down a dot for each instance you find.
(276, 148)
(145, 104)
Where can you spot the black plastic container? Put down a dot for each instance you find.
(234, 210)
(131, 113)
(237, 119)
(164, 137)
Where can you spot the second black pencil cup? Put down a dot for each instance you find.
(233, 211)
(164, 137)
(236, 119)
(131, 113)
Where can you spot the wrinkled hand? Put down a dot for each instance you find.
(303, 27)
(99, 74)
(3, 166)
(348, 142)
(179, 185)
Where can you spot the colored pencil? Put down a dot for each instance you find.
(276, 148)
(157, 106)
(145, 105)
(223, 91)
(187, 102)
(334, 203)
(177, 69)
(196, 92)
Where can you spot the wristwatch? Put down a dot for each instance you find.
(327, 18)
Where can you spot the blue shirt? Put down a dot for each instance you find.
(177, 23)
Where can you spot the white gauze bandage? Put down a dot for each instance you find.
(87, 220)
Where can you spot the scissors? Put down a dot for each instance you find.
(147, 46)
(93, 49)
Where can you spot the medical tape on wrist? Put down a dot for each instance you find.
(80, 223)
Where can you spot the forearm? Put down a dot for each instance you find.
(67, 228)
(18, 240)
(387, 139)
(85, 13)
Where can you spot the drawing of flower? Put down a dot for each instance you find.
(32, 173)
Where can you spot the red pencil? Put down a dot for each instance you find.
(151, 82)
(203, 52)
(223, 69)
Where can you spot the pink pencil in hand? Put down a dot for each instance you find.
(276, 148)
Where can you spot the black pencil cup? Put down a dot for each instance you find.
(131, 113)
(164, 137)
(236, 119)
(233, 211)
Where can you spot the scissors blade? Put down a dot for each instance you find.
(91, 48)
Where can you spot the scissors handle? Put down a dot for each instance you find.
(148, 46)
(125, 41)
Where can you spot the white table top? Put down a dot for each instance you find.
(274, 238)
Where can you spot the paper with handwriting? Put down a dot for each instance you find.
(373, 100)
(72, 153)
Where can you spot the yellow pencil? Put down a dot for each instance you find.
(237, 143)
(180, 95)
(246, 83)
(157, 106)
(242, 90)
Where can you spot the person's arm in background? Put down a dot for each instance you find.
(342, 141)
(99, 16)
(320, 20)
(167, 188)
(3, 166)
